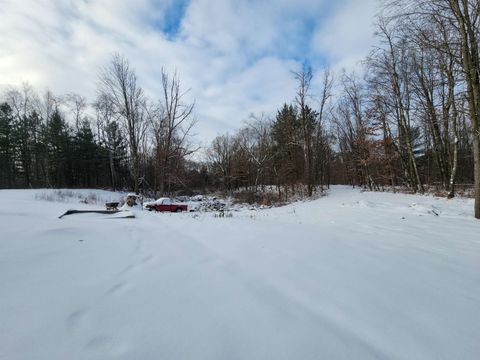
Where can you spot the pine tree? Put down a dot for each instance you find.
(85, 156)
(7, 164)
(287, 146)
(59, 146)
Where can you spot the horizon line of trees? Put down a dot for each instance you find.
(412, 120)
(131, 141)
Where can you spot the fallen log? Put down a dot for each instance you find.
(109, 212)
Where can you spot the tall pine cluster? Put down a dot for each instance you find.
(48, 152)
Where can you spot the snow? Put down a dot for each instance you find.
(348, 276)
(158, 201)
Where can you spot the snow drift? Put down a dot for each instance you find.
(349, 276)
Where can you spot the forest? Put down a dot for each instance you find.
(409, 119)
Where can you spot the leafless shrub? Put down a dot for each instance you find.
(259, 198)
(55, 196)
(91, 198)
(68, 196)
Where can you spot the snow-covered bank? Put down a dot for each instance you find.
(349, 276)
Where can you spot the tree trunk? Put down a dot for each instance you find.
(471, 67)
(112, 170)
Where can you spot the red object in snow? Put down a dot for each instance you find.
(165, 204)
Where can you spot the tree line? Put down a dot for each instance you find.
(123, 140)
(411, 120)
(291, 152)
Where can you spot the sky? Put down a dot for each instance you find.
(235, 57)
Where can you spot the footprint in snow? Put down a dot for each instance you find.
(79, 319)
(147, 259)
(139, 246)
(118, 289)
(129, 269)
(107, 345)
(132, 267)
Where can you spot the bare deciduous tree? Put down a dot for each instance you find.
(172, 122)
(77, 104)
(460, 19)
(118, 82)
(307, 119)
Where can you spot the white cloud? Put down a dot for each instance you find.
(236, 56)
(345, 38)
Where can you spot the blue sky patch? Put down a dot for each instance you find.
(173, 18)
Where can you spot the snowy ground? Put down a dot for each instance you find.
(349, 276)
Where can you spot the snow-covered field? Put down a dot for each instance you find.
(349, 276)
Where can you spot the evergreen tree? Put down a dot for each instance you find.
(37, 148)
(85, 156)
(23, 147)
(287, 146)
(7, 164)
(59, 145)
